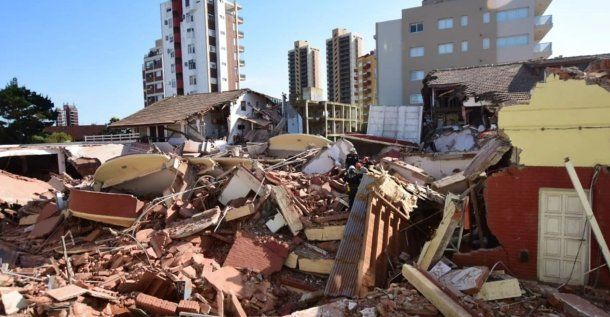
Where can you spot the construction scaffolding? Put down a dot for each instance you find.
(332, 120)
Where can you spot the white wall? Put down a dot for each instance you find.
(396, 122)
(167, 32)
(389, 62)
(236, 112)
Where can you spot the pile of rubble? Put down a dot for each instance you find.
(235, 233)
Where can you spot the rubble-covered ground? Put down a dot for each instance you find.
(230, 234)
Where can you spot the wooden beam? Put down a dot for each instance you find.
(477, 213)
(433, 249)
(586, 205)
(445, 304)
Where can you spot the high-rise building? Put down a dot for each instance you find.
(366, 82)
(67, 115)
(342, 51)
(455, 33)
(201, 46)
(152, 74)
(304, 72)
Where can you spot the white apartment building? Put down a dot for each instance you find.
(201, 46)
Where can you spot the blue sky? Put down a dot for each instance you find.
(90, 52)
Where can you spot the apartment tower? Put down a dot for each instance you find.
(366, 82)
(304, 72)
(342, 52)
(67, 116)
(201, 46)
(152, 74)
(455, 33)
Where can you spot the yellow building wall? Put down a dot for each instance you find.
(564, 119)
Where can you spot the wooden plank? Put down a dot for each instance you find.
(326, 233)
(240, 212)
(586, 205)
(287, 208)
(320, 266)
(500, 290)
(435, 295)
(433, 250)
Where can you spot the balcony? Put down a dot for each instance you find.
(544, 24)
(541, 6)
(242, 77)
(242, 63)
(543, 50)
(241, 49)
(240, 34)
(240, 20)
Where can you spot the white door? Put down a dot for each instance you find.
(560, 237)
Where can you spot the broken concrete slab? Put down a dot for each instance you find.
(45, 227)
(286, 145)
(260, 257)
(195, 224)
(241, 184)
(338, 308)
(445, 304)
(13, 302)
(456, 183)
(111, 208)
(326, 233)
(240, 212)
(20, 190)
(468, 280)
(576, 306)
(65, 293)
(502, 289)
(276, 223)
(319, 266)
(328, 158)
(489, 155)
(409, 172)
(292, 215)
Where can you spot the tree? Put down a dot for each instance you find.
(58, 137)
(23, 114)
(108, 130)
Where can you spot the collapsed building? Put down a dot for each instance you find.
(517, 225)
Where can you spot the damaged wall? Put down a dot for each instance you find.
(512, 198)
(566, 112)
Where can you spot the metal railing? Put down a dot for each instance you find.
(543, 48)
(123, 138)
(544, 20)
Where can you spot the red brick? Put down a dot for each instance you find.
(156, 305)
(49, 210)
(189, 306)
(265, 258)
(45, 227)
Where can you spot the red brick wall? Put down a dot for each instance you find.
(511, 197)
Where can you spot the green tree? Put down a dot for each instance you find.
(23, 114)
(58, 137)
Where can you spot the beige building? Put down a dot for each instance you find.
(456, 33)
(366, 83)
(304, 72)
(342, 52)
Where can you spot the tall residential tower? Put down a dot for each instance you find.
(455, 33)
(201, 46)
(342, 52)
(152, 74)
(304, 72)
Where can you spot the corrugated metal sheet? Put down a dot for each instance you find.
(343, 279)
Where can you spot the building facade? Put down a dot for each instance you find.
(455, 33)
(342, 52)
(67, 116)
(152, 74)
(304, 71)
(366, 83)
(201, 46)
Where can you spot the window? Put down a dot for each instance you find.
(173, 68)
(193, 80)
(416, 27)
(191, 48)
(486, 17)
(159, 85)
(464, 46)
(416, 51)
(416, 99)
(187, 3)
(191, 64)
(486, 43)
(243, 105)
(508, 41)
(417, 75)
(212, 49)
(212, 64)
(464, 20)
(445, 24)
(446, 48)
(158, 73)
(513, 14)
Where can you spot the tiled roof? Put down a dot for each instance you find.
(502, 84)
(178, 108)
